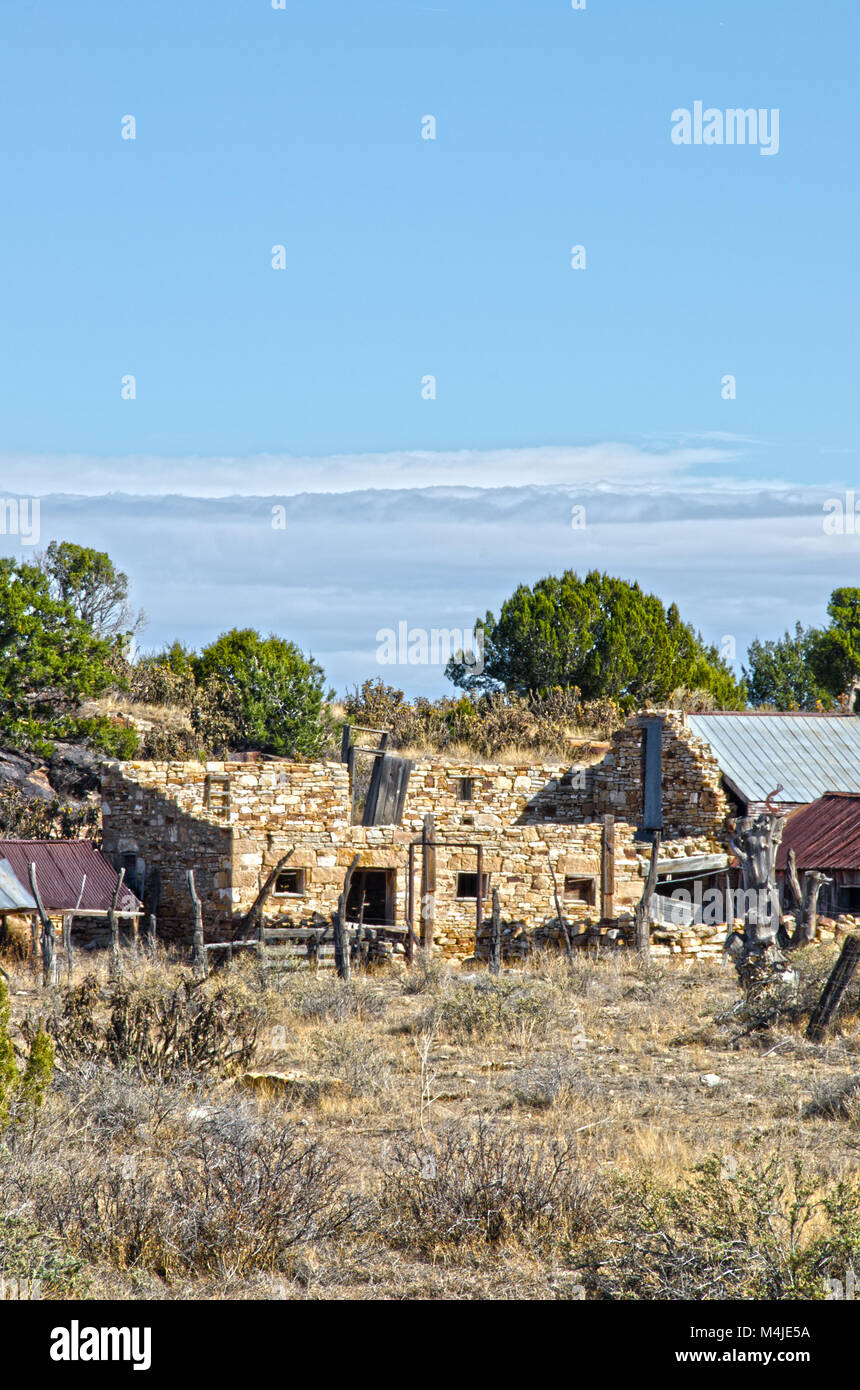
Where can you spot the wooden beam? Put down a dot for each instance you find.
(252, 919)
(198, 954)
(607, 870)
(113, 922)
(47, 941)
(840, 978)
(341, 938)
(643, 907)
(496, 935)
(428, 882)
(558, 908)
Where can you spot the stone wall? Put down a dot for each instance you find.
(175, 815)
(502, 794)
(694, 802)
(160, 812)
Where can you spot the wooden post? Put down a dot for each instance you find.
(67, 945)
(479, 897)
(428, 882)
(345, 738)
(34, 942)
(607, 870)
(153, 893)
(68, 922)
(199, 955)
(840, 978)
(410, 908)
(47, 941)
(558, 909)
(496, 936)
(361, 954)
(643, 907)
(113, 923)
(350, 772)
(341, 940)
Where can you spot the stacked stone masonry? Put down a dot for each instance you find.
(232, 822)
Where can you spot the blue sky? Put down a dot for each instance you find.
(301, 127)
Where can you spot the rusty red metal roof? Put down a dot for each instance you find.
(825, 834)
(60, 867)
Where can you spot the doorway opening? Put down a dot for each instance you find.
(376, 887)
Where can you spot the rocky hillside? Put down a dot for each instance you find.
(50, 797)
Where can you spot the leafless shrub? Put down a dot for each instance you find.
(351, 1057)
(836, 1102)
(157, 1028)
(428, 974)
(235, 1195)
(770, 1231)
(483, 1186)
(544, 1083)
(110, 1108)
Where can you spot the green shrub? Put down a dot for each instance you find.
(117, 740)
(39, 1069)
(768, 1232)
(8, 1065)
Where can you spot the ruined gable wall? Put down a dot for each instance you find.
(155, 811)
(693, 800)
(158, 811)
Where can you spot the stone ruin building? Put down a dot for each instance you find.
(584, 831)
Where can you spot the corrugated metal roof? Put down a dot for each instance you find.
(825, 835)
(13, 896)
(808, 753)
(60, 867)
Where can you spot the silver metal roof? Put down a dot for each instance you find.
(14, 897)
(808, 753)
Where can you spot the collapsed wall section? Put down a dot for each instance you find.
(692, 796)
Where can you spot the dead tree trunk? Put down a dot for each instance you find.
(496, 935)
(199, 951)
(47, 939)
(804, 932)
(840, 978)
(642, 917)
(113, 923)
(794, 882)
(67, 945)
(341, 938)
(760, 962)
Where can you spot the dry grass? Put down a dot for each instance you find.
(579, 746)
(115, 705)
(431, 1135)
